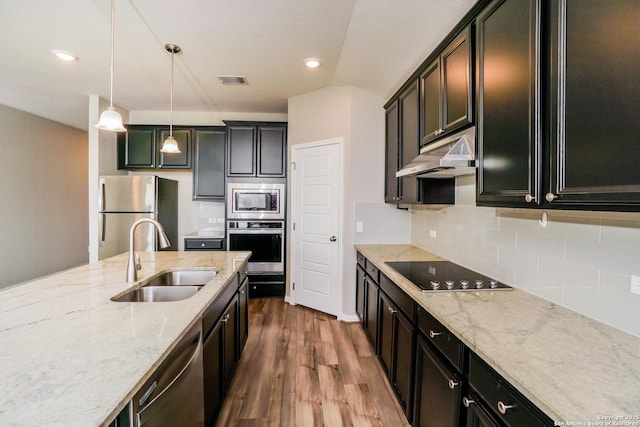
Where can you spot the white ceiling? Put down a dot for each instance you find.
(371, 44)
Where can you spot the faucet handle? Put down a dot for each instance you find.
(137, 264)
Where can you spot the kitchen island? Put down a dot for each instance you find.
(575, 369)
(72, 357)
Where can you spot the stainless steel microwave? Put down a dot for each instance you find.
(255, 200)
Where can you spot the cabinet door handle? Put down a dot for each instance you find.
(550, 197)
(433, 334)
(502, 408)
(452, 384)
(529, 198)
(242, 292)
(467, 402)
(225, 318)
(392, 310)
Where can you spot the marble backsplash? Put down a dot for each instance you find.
(581, 260)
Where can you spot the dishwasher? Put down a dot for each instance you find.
(173, 396)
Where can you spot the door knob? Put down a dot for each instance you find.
(333, 238)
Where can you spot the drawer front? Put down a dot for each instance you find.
(360, 258)
(217, 307)
(372, 271)
(203, 244)
(447, 343)
(402, 300)
(506, 403)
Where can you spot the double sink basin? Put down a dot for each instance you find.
(168, 286)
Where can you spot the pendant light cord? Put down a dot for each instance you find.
(171, 123)
(112, 51)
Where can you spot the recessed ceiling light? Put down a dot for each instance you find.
(312, 62)
(64, 55)
(233, 80)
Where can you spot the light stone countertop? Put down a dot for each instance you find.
(70, 356)
(573, 368)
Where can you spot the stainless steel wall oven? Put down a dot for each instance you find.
(265, 239)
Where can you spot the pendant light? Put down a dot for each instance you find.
(170, 145)
(110, 119)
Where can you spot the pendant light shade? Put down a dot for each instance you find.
(110, 119)
(170, 145)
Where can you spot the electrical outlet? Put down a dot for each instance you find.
(211, 220)
(433, 234)
(635, 285)
(220, 220)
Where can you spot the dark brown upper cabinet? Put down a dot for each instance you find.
(595, 100)
(557, 104)
(392, 139)
(139, 148)
(447, 91)
(208, 164)
(256, 149)
(403, 145)
(508, 125)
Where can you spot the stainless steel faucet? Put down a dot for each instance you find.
(134, 260)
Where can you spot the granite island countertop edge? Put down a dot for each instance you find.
(93, 350)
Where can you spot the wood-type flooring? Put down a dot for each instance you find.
(301, 367)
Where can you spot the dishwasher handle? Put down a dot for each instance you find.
(146, 411)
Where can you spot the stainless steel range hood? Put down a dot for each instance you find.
(452, 156)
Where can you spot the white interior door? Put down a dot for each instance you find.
(316, 209)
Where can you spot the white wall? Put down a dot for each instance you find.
(43, 196)
(581, 260)
(358, 117)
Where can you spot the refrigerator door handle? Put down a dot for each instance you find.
(101, 200)
(102, 224)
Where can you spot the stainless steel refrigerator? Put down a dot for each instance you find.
(126, 199)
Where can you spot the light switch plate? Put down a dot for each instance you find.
(635, 285)
(433, 234)
(359, 226)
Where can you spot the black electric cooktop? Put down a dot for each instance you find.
(445, 276)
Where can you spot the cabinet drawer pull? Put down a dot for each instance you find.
(225, 318)
(502, 408)
(433, 334)
(392, 310)
(550, 197)
(467, 402)
(452, 384)
(529, 198)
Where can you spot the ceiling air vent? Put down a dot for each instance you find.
(233, 80)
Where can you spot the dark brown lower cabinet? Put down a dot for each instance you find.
(371, 323)
(477, 415)
(243, 315)
(361, 296)
(437, 380)
(397, 337)
(505, 402)
(438, 390)
(219, 360)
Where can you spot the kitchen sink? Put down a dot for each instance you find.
(181, 278)
(168, 286)
(158, 294)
